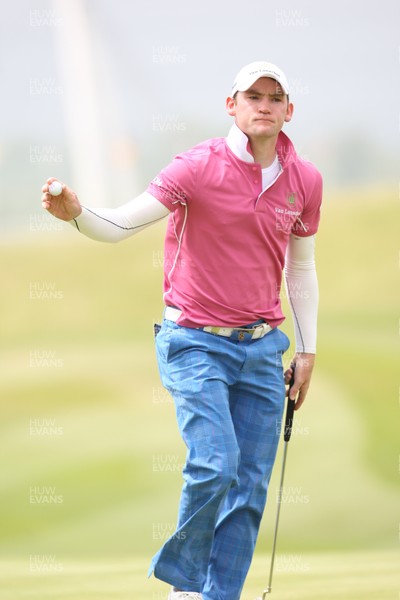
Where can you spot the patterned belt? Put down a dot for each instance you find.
(240, 333)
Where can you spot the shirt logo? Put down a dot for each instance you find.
(291, 198)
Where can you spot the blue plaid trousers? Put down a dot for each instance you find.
(229, 398)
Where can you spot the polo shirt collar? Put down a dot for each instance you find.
(239, 144)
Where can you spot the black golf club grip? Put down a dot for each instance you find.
(289, 412)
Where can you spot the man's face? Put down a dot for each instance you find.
(261, 111)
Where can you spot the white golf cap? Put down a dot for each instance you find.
(250, 73)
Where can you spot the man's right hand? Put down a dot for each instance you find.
(66, 206)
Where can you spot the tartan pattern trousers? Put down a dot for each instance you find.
(229, 398)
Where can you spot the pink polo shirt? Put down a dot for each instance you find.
(226, 237)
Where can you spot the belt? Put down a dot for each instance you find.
(240, 333)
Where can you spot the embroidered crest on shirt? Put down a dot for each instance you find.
(291, 198)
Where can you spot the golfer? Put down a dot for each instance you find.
(241, 210)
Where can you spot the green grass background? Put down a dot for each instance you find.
(116, 460)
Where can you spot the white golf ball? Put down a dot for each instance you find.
(55, 188)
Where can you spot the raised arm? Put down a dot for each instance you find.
(104, 224)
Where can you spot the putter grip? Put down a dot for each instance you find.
(289, 413)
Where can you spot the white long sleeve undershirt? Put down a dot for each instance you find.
(302, 291)
(116, 224)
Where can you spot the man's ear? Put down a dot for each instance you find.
(289, 112)
(230, 106)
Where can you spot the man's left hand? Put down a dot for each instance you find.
(304, 363)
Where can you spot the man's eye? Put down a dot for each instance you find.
(253, 97)
(277, 99)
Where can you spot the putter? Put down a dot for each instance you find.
(286, 437)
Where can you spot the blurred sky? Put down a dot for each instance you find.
(103, 93)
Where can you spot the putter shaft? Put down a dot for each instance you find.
(287, 433)
(271, 570)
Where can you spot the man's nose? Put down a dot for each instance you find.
(264, 106)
